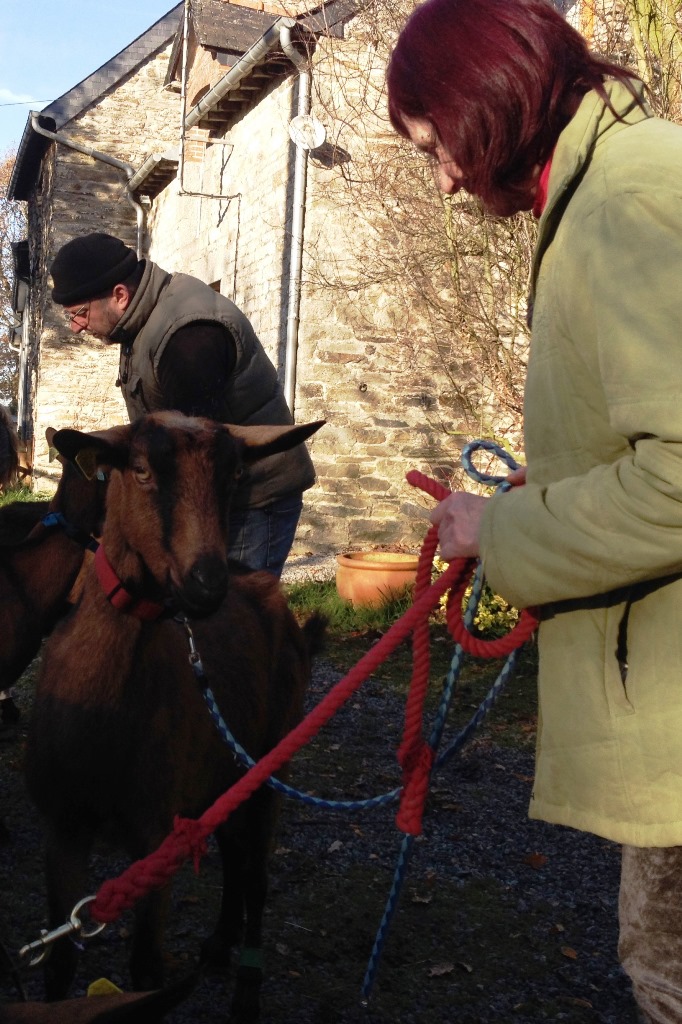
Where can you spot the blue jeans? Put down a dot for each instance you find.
(261, 538)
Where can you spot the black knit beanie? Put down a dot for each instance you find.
(87, 266)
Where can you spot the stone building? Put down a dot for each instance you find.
(247, 143)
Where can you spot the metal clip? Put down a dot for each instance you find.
(41, 948)
(194, 656)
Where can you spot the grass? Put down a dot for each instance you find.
(21, 493)
(353, 630)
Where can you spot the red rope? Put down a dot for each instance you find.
(473, 645)
(189, 836)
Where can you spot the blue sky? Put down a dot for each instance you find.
(48, 46)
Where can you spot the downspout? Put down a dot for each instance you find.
(297, 221)
(127, 169)
(183, 93)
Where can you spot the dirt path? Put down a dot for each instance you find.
(500, 919)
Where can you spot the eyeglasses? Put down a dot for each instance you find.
(80, 314)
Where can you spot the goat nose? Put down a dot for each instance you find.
(206, 583)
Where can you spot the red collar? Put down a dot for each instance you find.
(116, 594)
(541, 194)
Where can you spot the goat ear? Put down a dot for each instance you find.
(52, 452)
(261, 440)
(90, 451)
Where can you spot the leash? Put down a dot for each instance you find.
(460, 626)
(188, 837)
(56, 519)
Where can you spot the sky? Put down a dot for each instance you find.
(48, 46)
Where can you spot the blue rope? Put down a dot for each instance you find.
(307, 798)
(407, 844)
(490, 698)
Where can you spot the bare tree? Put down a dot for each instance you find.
(647, 36)
(458, 278)
(12, 229)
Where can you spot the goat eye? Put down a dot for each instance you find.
(238, 473)
(142, 474)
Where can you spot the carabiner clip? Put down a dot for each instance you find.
(40, 949)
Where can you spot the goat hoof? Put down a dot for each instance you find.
(245, 1007)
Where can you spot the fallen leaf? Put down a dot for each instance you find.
(581, 1002)
(416, 898)
(569, 952)
(336, 845)
(282, 949)
(438, 969)
(535, 860)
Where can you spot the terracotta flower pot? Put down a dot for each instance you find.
(371, 577)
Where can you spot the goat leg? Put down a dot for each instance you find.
(66, 860)
(146, 957)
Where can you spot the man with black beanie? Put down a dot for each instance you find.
(184, 346)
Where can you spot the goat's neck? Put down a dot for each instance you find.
(107, 640)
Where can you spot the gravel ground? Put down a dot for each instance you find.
(500, 919)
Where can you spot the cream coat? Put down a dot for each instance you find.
(601, 514)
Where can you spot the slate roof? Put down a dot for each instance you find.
(225, 26)
(229, 29)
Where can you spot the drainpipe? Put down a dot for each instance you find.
(127, 169)
(297, 221)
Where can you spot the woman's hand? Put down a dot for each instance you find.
(458, 518)
(517, 477)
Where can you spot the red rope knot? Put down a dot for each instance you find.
(191, 832)
(416, 772)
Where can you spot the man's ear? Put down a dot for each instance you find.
(122, 297)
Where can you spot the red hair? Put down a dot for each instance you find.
(498, 80)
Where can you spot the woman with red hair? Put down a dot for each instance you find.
(515, 109)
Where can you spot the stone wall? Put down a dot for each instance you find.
(74, 378)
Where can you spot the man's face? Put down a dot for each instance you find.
(98, 317)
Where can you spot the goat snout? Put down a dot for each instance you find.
(205, 585)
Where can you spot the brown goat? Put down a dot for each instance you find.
(120, 740)
(39, 565)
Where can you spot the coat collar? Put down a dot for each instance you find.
(575, 148)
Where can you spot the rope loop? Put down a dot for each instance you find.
(457, 624)
(495, 449)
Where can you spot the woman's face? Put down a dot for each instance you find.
(448, 174)
(450, 178)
